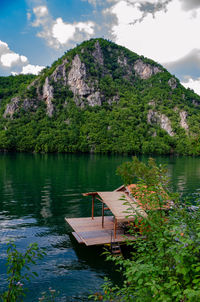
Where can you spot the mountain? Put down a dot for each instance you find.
(100, 97)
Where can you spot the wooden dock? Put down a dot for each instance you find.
(90, 232)
(109, 229)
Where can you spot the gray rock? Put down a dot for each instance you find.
(195, 103)
(152, 103)
(122, 61)
(77, 77)
(94, 99)
(48, 96)
(30, 104)
(172, 83)
(144, 70)
(127, 68)
(12, 107)
(83, 93)
(114, 99)
(183, 122)
(153, 117)
(98, 54)
(60, 72)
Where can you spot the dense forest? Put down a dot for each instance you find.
(99, 97)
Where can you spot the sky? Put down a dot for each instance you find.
(35, 33)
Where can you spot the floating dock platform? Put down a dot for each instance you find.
(106, 229)
(111, 229)
(90, 232)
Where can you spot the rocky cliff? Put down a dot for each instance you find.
(77, 77)
(136, 99)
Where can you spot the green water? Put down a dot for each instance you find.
(38, 191)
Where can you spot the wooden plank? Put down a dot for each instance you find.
(93, 198)
(89, 224)
(102, 237)
(115, 227)
(116, 203)
(77, 237)
(121, 188)
(102, 214)
(89, 194)
(91, 233)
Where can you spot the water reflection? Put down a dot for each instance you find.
(46, 201)
(38, 191)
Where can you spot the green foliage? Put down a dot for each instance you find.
(164, 264)
(12, 85)
(119, 125)
(18, 270)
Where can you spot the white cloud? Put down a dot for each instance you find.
(3, 48)
(28, 15)
(8, 58)
(42, 16)
(3, 45)
(167, 35)
(15, 63)
(62, 32)
(33, 69)
(40, 11)
(193, 84)
(87, 27)
(23, 59)
(58, 33)
(190, 4)
(93, 2)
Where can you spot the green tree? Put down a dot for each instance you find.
(164, 264)
(18, 270)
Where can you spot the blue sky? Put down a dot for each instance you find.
(34, 33)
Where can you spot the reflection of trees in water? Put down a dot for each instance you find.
(184, 174)
(49, 187)
(8, 188)
(46, 201)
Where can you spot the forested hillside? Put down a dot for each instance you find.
(99, 97)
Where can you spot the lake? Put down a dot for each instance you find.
(38, 191)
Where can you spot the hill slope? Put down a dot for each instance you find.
(101, 97)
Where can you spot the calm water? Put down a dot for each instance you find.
(38, 191)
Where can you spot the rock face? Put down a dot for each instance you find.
(77, 77)
(183, 122)
(152, 103)
(172, 83)
(60, 73)
(145, 71)
(127, 68)
(94, 99)
(97, 53)
(30, 104)
(122, 61)
(12, 107)
(195, 103)
(48, 96)
(162, 120)
(77, 82)
(76, 72)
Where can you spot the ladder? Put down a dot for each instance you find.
(115, 247)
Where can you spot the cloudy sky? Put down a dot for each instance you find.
(34, 33)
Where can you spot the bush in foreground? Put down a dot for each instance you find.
(165, 260)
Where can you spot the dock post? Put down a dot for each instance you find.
(93, 206)
(115, 227)
(102, 214)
